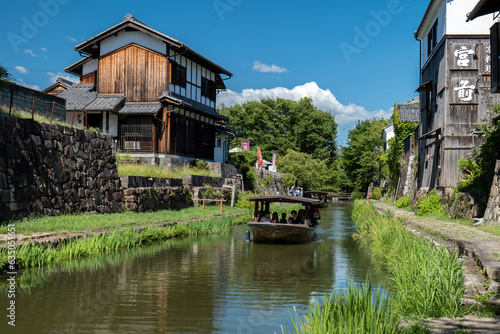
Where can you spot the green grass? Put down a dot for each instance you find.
(39, 118)
(424, 281)
(493, 229)
(87, 221)
(34, 255)
(149, 170)
(358, 310)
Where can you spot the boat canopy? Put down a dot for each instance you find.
(286, 199)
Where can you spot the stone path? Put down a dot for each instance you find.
(477, 247)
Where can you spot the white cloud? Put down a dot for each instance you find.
(21, 69)
(43, 49)
(30, 52)
(258, 66)
(72, 39)
(53, 77)
(22, 83)
(322, 99)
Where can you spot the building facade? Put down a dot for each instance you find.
(156, 95)
(455, 94)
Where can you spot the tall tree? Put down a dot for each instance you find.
(5, 76)
(361, 156)
(280, 125)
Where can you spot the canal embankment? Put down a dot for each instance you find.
(45, 240)
(479, 252)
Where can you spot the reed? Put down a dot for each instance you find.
(424, 280)
(359, 309)
(35, 255)
(88, 221)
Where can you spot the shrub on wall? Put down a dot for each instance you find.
(376, 193)
(403, 202)
(429, 204)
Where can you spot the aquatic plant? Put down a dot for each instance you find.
(359, 309)
(424, 280)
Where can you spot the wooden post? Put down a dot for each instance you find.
(52, 113)
(203, 203)
(221, 210)
(33, 109)
(73, 118)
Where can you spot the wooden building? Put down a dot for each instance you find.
(455, 95)
(58, 87)
(154, 93)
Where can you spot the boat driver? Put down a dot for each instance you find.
(266, 218)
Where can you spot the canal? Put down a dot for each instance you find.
(214, 284)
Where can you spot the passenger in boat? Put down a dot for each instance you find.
(266, 218)
(300, 217)
(283, 218)
(275, 218)
(290, 220)
(295, 218)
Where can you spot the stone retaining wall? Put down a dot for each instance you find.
(144, 182)
(154, 199)
(465, 205)
(492, 213)
(52, 169)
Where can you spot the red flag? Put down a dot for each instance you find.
(260, 160)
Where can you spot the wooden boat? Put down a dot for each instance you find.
(284, 233)
(321, 195)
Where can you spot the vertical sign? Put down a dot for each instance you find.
(273, 165)
(463, 56)
(245, 145)
(260, 160)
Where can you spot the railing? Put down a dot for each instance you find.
(136, 137)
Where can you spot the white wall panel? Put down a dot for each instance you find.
(126, 37)
(90, 66)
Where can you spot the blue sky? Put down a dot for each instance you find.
(355, 59)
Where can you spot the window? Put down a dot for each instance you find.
(208, 88)
(218, 142)
(432, 38)
(178, 75)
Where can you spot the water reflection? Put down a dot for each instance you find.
(210, 284)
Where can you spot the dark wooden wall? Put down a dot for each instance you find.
(89, 78)
(134, 70)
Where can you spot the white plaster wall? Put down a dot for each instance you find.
(78, 121)
(126, 37)
(456, 11)
(113, 125)
(440, 15)
(90, 66)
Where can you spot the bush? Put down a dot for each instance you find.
(429, 204)
(200, 164)
(403, 202)
(243, 201)
(377, 193)
(356, 195)
(249, 177)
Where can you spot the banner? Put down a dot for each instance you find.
(273, 165)
(245, 145)
(260, 160)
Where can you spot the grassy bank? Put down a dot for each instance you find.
(34, 255)
(88, 221)
(423, 281)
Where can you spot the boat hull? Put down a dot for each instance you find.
(282, 233)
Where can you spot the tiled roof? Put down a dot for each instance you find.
(191, 104)
(139, 108)
(79, 96)
(59, 82)
(106, 102)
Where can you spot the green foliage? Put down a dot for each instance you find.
(244, 158)
(431, 203)
(376, 193)
(249, 177)
(360, 157)
(5, 76)
(356, 195)
(200, 165)
(479, 167)
(243, 201)
(424, 281)
(280, 125)
(357, 310)
(309, 173)
(403, 202)
(396, 145)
